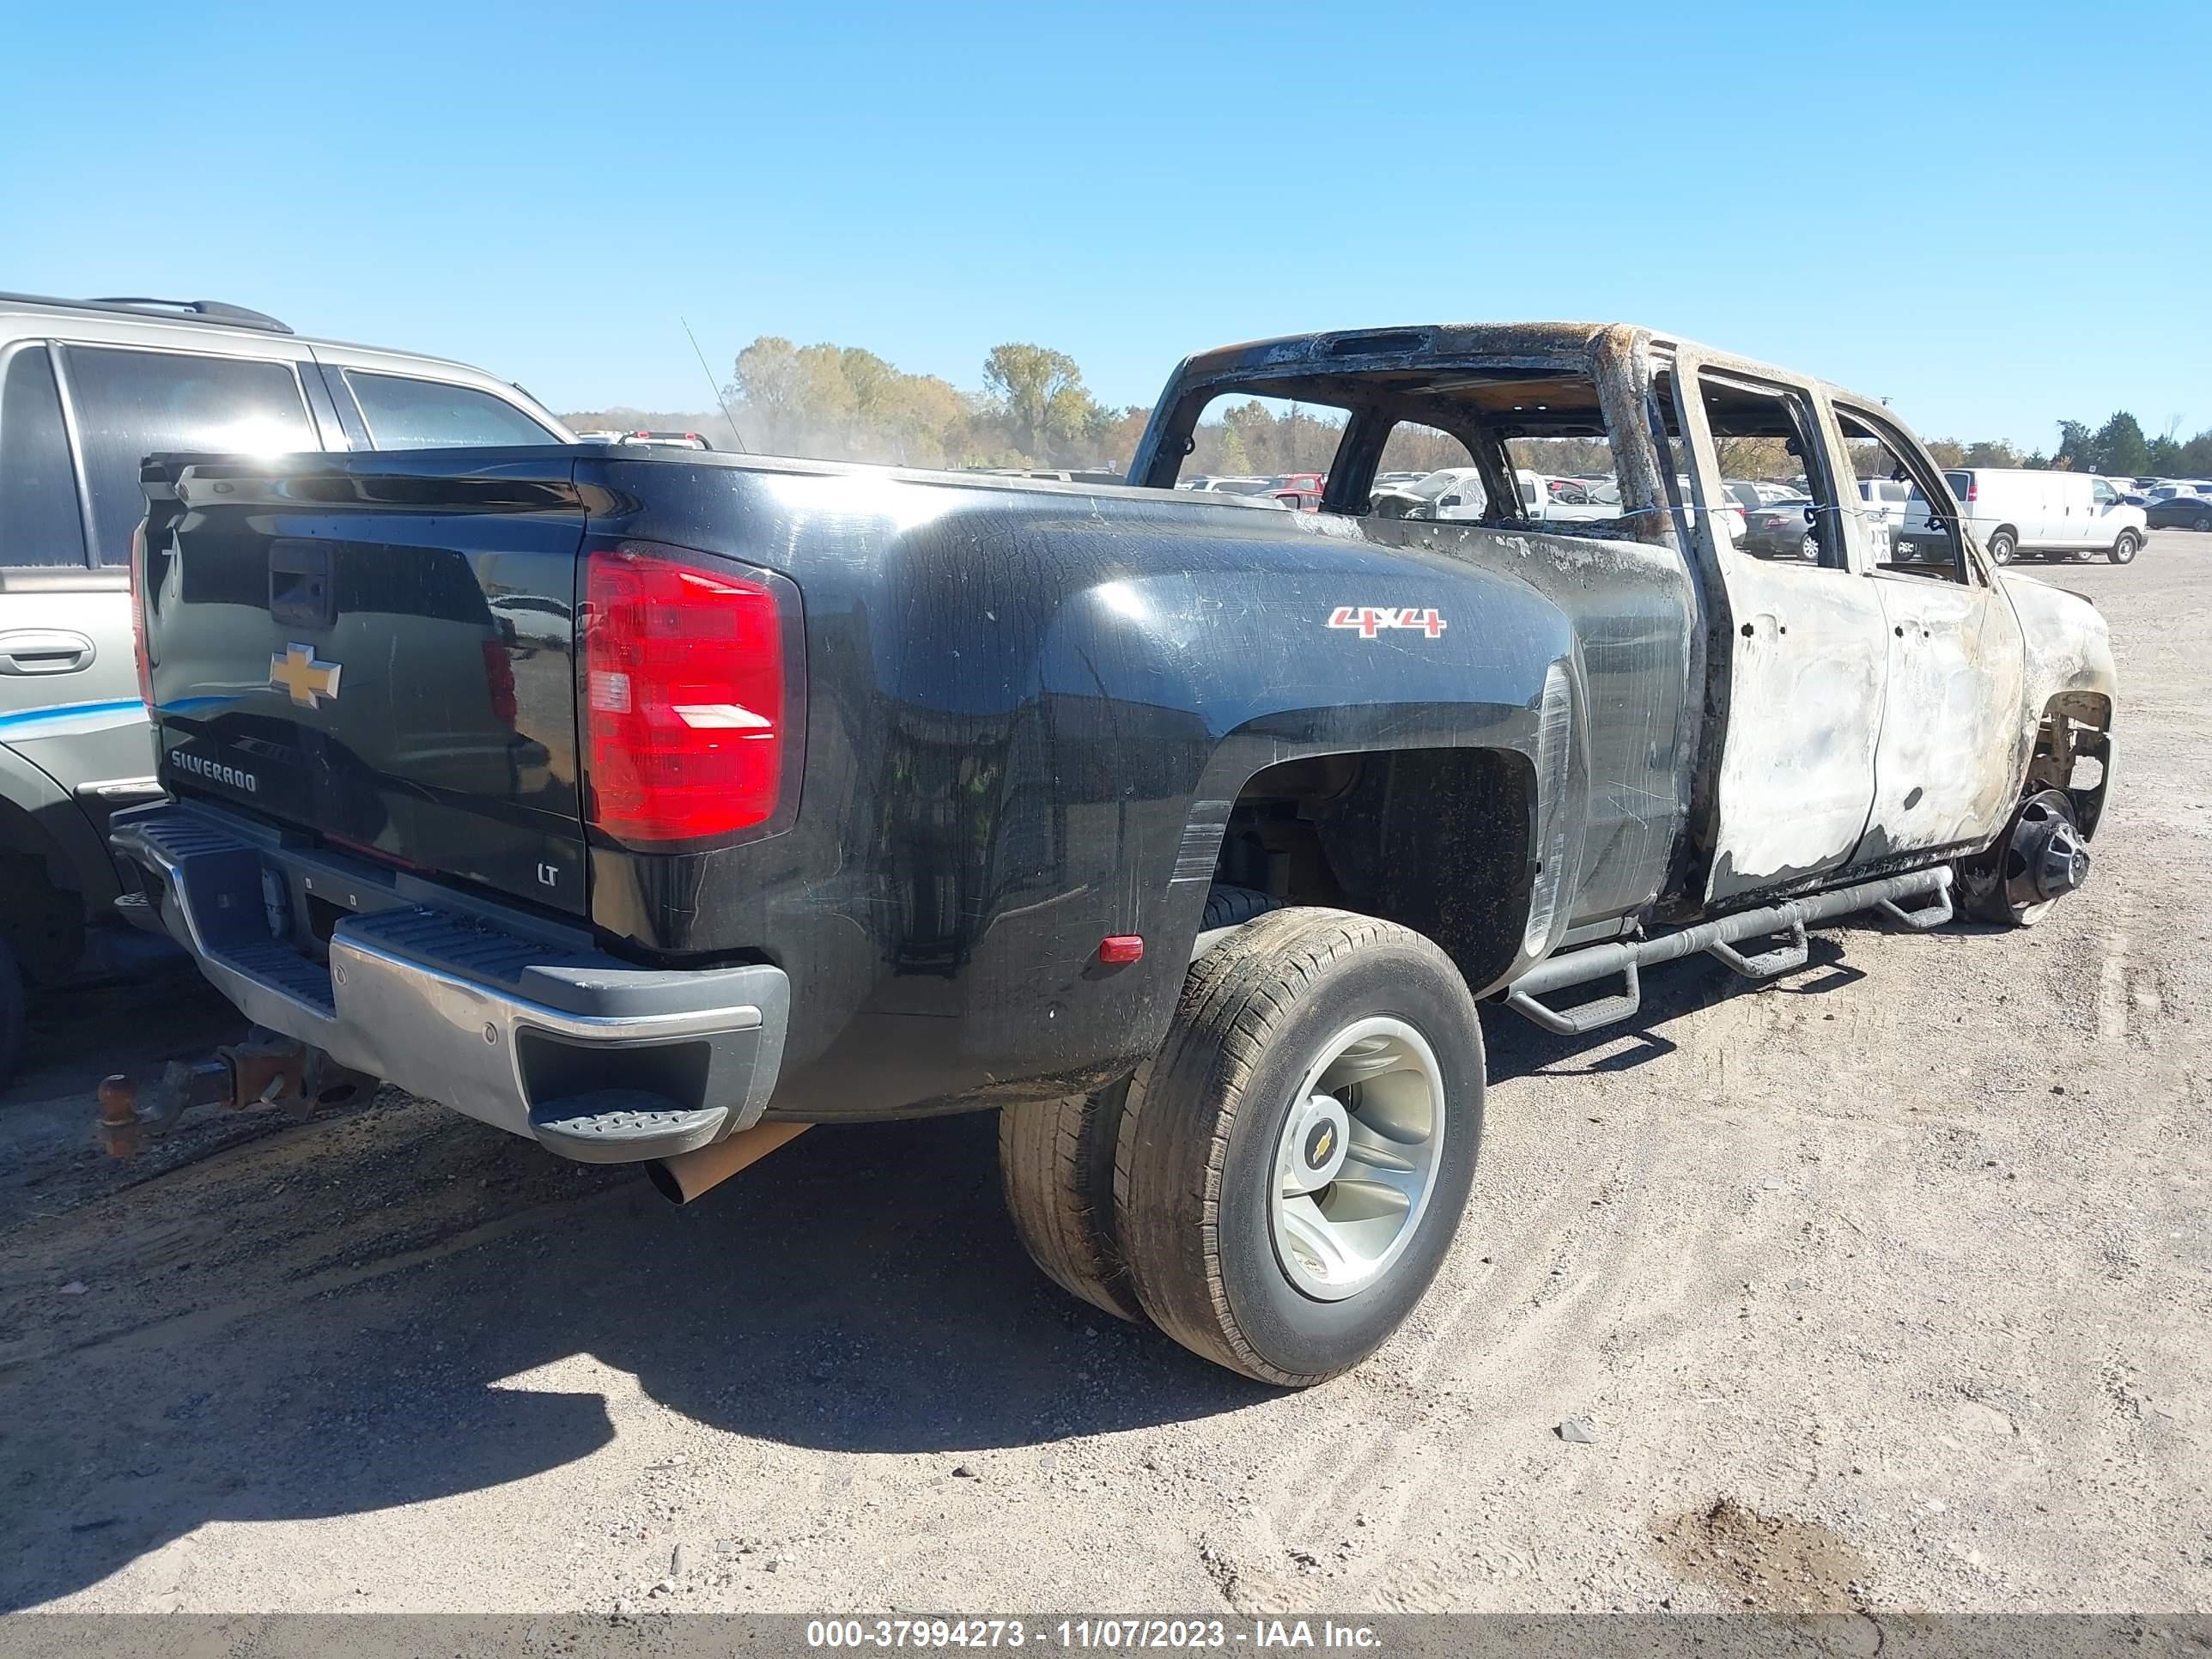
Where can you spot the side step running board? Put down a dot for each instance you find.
(1718, 939)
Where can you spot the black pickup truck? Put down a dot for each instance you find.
(643, 802)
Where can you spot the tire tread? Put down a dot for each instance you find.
(1234, 999)
(1057, 1185)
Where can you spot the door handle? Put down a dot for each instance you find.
(44, 651)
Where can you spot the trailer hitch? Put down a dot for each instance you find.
(267, 1069)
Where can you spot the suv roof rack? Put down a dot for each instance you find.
(185, 311)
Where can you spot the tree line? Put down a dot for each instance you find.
(2119, 448)
(844, 402)
(1032, 409)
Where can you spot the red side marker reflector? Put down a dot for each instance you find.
(1122, 947)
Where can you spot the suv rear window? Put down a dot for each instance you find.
(39, 521)
(405, 413)
(134, 403)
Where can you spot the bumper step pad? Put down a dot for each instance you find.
(622, 1125)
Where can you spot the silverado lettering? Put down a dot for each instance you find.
(215, 771)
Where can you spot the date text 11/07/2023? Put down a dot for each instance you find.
(1089, 1635)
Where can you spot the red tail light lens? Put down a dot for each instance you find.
(139, 614)
(1973, 492)
(683, 697)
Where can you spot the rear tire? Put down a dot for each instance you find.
(1229, 907)
(2201, 521)
(2002, 547)
(2125, 546)
(1056, 1169)
(1056, 1163)
(1218, 1121)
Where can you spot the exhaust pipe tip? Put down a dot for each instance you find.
(687, 1175)
(664, 1182)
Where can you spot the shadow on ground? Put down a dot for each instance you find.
(862, 1291)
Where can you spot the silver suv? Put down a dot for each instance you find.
(87, 387)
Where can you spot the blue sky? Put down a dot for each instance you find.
(1993, 214)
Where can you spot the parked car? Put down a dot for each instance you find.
(1884, 502)
(1449, 492)
(1456, 493)
(1782, 530)
(2166, 489)
(2181, 512)
(1232, 485)
(1562, 501)
(1061, 475)
(1729, 513)
(663, 439)
(86, 389)
(1189, 846)
(2013, 511)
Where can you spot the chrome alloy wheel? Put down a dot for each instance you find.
(1357, 1159)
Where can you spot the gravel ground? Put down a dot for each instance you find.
(1884, 1287)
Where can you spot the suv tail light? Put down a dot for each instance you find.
(138, 613)
(685, 704)
(1973, 493)
(499, 682)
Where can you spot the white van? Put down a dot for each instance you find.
(2013, 511)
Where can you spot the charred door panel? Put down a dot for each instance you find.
(1807, 660)
(1948, 763)
(1797, 766)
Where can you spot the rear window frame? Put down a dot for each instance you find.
(352, 373)
(67, 354)
(10, 352)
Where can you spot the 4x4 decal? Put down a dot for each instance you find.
(1371, 619)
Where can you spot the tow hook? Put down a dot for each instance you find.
(265, 1070)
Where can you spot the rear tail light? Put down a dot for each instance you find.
(685, 698)
(139, 614)
(1973, 493)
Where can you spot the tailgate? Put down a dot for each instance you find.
(378, 648)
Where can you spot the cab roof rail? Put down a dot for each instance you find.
(184, 311)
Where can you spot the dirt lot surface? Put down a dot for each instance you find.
(1884, 1287)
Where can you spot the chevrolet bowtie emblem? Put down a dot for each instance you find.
(302, 676)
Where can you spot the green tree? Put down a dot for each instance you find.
(1034, 387)
(1232, 458)
(2120, 446)
(769, 382)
